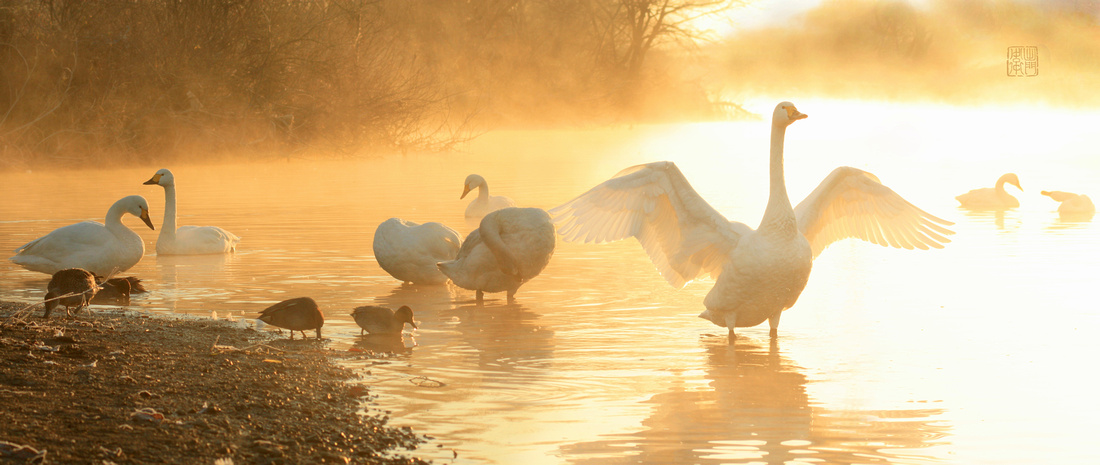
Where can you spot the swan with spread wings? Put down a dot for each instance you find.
(758, 273)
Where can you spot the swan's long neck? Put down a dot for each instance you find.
(168, 229)
(483, 192)
(113, 220)
(1001, 184)
(779, 216)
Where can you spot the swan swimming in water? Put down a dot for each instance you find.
(510, 247)
(103, 249)
(759, 273)
(187, 240)
(484, 203)
(992, 198)
(1076, 206)
(409, 251)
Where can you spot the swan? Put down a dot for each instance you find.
(758, 273)
(484, 203)
(409, 251)
(508, 248)
(187, 240)
(297, 314)
(1072, 205)
(73, 287)
(381, 320)
(103, 249)
(992, 198)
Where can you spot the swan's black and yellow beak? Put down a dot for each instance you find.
(145, 217)
(794, 115)
(154, 180)
(465, 190)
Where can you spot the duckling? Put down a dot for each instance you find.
(77, 285)
(381, 320)
(296, 315)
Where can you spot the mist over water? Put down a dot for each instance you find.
(889, 356)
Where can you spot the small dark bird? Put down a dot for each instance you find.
(76, 285)
(134, 283)
(296, 315)
(381, 320)
(115, 291)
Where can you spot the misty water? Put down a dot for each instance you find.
(982, 352)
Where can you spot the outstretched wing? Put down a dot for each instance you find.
(854, 203)
(683, 235)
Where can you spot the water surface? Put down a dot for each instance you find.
(978, 353)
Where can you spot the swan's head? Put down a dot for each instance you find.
(137, 206)
(785, 113)
(473, 181)
(1011, 178)
(405, 315)
(163, 177)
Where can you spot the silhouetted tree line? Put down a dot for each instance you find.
(143, 80)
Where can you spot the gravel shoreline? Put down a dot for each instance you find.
(121, 387)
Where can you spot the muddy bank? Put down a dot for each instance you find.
(116, 387)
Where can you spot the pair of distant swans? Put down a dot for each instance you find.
(111, 247)
(1070, 205)
(759, 273)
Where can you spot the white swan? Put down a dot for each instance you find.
(510, 247)
(484, 203)
(103, 249)
(409, 251)
(758, 273)
(992, 198)
(187, 240)
(1072, 205)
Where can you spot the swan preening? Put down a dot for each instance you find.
(484, 203)
(1071, 205)
(992, 198)
(187, 240)
(508, 248)
(758, 273)
(409, 251)
(103, 249)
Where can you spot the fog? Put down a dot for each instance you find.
(952, 51)
(138, 83)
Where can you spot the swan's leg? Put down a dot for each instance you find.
(480, 296)
(773, 321)
(512, 296)
(731, 322)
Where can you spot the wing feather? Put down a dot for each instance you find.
(854, 203)
(682, 234)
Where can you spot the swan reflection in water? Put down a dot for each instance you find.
(757, 410)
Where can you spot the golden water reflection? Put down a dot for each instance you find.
(756, 409)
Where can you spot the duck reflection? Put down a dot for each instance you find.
(386, 343)
(757, 411)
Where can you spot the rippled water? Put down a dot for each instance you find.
(978, 353)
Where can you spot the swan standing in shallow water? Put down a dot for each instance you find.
(103, 249)
(484, 203)
(1072, 206)
(187, 240)
(992, 198)
(409, 251)
(510, 247)
(759, 273)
